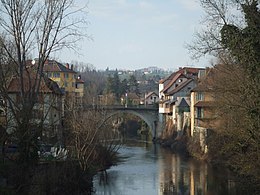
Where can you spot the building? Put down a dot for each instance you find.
(178, 84)
(64, 76)
(79, 91)
(151, 98)
(203, 117)
(48, 109)
(174, 98)
(68, 81)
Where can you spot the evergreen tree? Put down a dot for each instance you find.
(133, 85)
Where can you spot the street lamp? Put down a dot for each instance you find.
(126, 100)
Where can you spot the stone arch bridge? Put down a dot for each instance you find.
(147, 113)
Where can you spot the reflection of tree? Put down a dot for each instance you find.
(107, 182)
(168, 188)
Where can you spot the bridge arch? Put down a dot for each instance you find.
(149, 116)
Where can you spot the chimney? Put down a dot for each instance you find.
(71, 67)
(67, 66)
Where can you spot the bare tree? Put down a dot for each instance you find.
(207, 40)
(30, 27)
(91, 139)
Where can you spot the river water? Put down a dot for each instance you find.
(148, 169)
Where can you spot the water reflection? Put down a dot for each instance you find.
(150, 170)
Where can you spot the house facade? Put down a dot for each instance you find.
(64, 76)
(48, 109)
(68, 81)
(79, 91)
(202, 110)
(174, 97)
(178, 84)
(151, 98)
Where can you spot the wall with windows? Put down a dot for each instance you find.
(202, 110)
(66, 80)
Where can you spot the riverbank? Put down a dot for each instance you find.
(178, 145)
(151, 169)
(189, 148)
(52, 176)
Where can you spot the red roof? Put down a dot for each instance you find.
(185, 70)
(54, 66)
(178, 75)
(29, 79)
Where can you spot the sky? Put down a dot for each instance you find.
(134, 34)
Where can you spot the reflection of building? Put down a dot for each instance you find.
(177, 176)
(173, 177)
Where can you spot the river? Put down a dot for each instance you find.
(148, 169)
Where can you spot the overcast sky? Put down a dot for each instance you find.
(133, 34)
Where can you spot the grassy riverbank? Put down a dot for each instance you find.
(52, 177)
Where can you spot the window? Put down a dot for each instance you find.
(66, 75)
(199, 112)
(199, 96)
(65, 84)
(56, 74)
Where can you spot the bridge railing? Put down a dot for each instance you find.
(99, 106)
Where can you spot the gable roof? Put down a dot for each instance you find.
(29, 79)
(54, 66)
(183, 103)
(174, 79)
(151, 93)
(187, 71)
(181, 86)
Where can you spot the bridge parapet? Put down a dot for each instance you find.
(147, 113)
